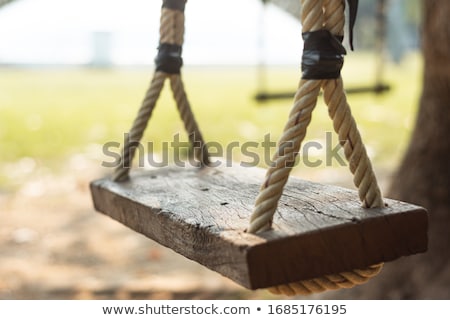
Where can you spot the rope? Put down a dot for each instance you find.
(317, 15)
(184, 108)
(343, 122)
(171, 33)
(343, 280)
(139, 126)
(171, 26)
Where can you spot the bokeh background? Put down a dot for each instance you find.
(72, 76)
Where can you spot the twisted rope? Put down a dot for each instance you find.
(345, 126)
(139, 126)
(343, 122)
(343, 280)
(283, 161)
(172, 33)
(317, 15)
(171, 26)
(184, 108)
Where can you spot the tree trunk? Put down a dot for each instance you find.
(424, 175)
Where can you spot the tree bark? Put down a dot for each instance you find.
(423, 177)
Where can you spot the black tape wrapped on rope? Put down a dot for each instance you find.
(323, 52)
(169, 58)
(323, 55)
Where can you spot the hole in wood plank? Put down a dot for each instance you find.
(205, 189)
(223, 203)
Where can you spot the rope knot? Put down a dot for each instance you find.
(323, 55)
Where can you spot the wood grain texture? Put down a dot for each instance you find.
(318, 229)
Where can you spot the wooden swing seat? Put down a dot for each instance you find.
(203, 213)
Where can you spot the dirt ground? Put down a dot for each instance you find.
(53, 245)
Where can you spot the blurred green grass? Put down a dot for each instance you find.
(49, 114)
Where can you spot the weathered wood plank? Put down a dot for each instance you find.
(318, 229)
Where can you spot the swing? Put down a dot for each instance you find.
(321, 237)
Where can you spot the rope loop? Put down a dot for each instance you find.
(168, 66)
(323, 55)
